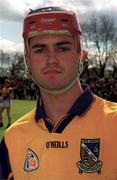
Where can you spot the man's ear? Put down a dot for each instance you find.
(26, 57)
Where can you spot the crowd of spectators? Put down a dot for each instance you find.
(105, 88)
(23, 88)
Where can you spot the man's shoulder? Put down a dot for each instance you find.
(21, 131)
(22, 122)
(107, 106)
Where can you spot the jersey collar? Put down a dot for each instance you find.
(79, 108)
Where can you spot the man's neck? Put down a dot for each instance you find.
(57, 106)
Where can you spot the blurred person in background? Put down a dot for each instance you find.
(6, 95)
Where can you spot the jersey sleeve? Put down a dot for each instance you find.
(5, 168)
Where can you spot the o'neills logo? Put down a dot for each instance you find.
(46, 20)
(56, 144)
(89, 153)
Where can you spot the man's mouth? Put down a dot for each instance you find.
(52, 71)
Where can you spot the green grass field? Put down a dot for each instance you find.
(18, 109)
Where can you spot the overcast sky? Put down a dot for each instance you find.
(13, 11)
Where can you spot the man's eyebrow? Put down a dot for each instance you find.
(63, 43)
(39, 46)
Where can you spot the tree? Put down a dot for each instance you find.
(12, 63)
(99, 34)
(4, 59)
(17, 67)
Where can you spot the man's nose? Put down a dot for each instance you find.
(52, 57)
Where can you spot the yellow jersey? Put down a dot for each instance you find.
(86, 149)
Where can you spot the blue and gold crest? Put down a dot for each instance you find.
(89, 153)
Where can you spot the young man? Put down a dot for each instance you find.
(71, 133)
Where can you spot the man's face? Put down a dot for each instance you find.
(53, 60)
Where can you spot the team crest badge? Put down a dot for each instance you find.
(31, 161)
(89, 153)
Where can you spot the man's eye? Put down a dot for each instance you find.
(40, 50)
(63, 49)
